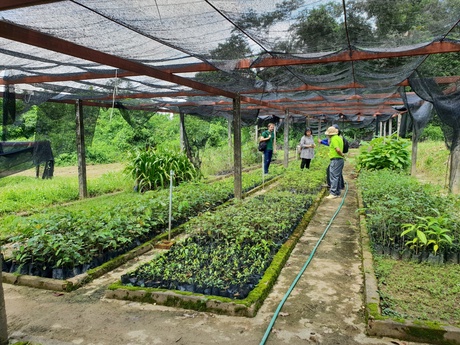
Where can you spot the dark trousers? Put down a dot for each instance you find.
(267, 160)
(305, 163)
(336, 176)
(328, 178)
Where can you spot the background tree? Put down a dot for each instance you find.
(235, 48)
(317, 30)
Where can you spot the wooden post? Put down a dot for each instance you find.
(4, 123)
(390, 125)
(454, 166)
(229, 131)
(286, 139)
(257, 134)
(413, 168)
(9, 109)
(3, 320)
(81, 154)
(181, 131)
(238, 185)
(229, 138)
(398, 127)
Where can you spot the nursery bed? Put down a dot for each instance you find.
(110, 262)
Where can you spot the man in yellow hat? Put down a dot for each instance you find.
(336, 156)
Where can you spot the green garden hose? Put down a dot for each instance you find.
(280, 305)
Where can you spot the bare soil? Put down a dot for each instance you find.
(325, 306)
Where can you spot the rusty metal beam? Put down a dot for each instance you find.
(432, 48)
(299, 110)
(132, 68)
(436, 47)
(69, 77)
(38, 39)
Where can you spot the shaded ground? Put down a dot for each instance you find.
(325, 306)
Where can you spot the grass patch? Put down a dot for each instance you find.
(22, 193)
(415, 291)
(432, 163)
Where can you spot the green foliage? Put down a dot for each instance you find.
(230, 248)
(410, 18)
(359, 134)
(441, 65)
(253, 20)
(318, 30)
(66, 159)
(433, 133)
(433, 162)
(23, 193)
(151, 169)
(75, 234)
(113, 131)
(429, 231)
(23, 129)
(203, 133)
(417, 235)
(219, 160)
(384, 153)
(56, 123)
(394, 201)
(418, 291)
(234, 48)
(310, 180)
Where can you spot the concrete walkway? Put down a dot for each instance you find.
(325, 307)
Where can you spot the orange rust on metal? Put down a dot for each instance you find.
(432, 48)
(38, 39)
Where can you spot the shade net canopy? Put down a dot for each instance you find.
(312, 58)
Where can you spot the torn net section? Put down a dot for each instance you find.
(19, 156)
(420, 112)
(446, 102)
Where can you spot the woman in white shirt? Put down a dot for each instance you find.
(307, 149)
